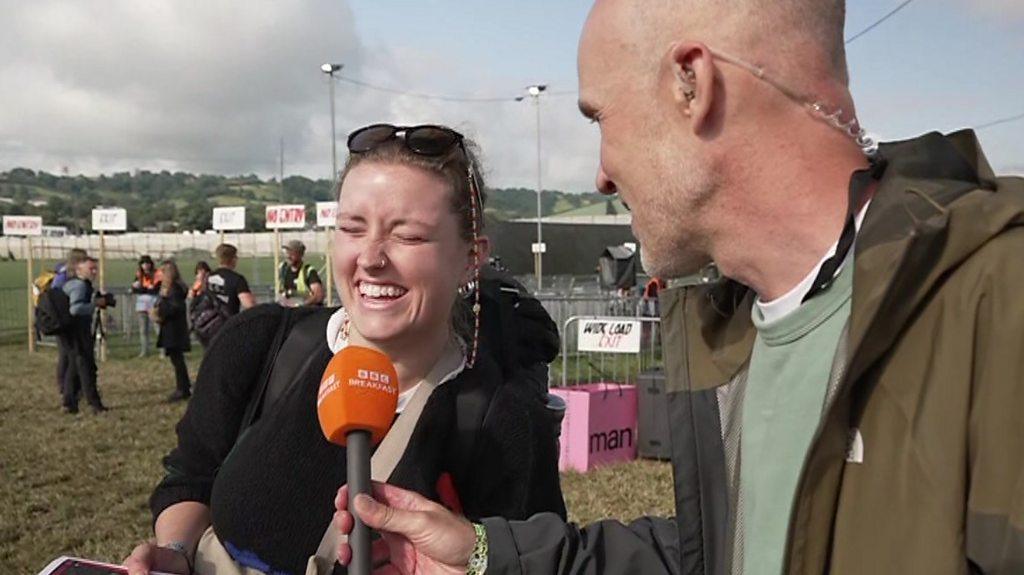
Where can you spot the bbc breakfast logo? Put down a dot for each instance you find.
(365, 379)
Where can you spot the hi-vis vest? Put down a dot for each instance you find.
(301, 279)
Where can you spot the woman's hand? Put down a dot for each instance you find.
(149, 557)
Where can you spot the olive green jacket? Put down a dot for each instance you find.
(918, 463)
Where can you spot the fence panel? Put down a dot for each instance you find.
(561, 308)
(581, 364)
(120, 321)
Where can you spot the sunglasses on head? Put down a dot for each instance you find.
(425, 140)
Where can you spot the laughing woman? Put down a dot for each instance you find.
(252, 475)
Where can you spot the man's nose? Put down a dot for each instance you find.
(605, 185)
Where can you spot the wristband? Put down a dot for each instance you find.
(478, 559)
(179, 547)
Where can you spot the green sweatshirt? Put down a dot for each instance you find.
(782, 406)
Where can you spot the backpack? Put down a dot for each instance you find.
(53, 312)
(41, 283)
(208, 315)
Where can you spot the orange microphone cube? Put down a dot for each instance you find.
(359, 391)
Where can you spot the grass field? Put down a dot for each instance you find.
(80, 484)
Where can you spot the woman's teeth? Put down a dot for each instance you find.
(377, 290)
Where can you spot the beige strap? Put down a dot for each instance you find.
(390, 451)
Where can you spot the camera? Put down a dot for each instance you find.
(107, 298)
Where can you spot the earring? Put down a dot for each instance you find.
(466, 289)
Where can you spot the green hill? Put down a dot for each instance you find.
(179, 201)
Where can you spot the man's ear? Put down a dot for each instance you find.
(693, 73)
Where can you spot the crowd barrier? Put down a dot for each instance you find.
(603, 359)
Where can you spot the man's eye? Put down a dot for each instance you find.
(350, 230)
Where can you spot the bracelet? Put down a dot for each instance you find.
(179, 547)
(478, 559)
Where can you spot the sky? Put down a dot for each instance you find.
(99, 86)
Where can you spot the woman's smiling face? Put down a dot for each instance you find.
(398, 255)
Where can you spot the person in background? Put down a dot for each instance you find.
(64, 270)
(300, 284)
(81, 373)
(649, 300)
(60, 277)
(146, 288)
(202, 272)
(227, 285)
(171, 311)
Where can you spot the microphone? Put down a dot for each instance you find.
(356, 407)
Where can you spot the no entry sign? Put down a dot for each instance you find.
(287, 217)
(23, 226)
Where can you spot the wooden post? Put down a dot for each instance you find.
(222, 236)
(31, 298)
(277, 264)
(329, 271)
(103, 287)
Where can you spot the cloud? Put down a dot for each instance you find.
(214, 86)
(1002, 13)
(211, 85)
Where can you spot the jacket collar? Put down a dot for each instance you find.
(911, 226)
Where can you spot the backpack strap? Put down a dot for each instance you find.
(472, 403)
(303, 346)
(288, 358)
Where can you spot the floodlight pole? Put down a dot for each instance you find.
(538, 251)
(330, 69)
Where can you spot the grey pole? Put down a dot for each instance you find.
(540, 236)
(330, 69)
(538, 256)
(334, 139)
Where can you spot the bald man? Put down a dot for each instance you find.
(849, 399)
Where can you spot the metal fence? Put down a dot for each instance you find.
(561, 308)
(120, 322)
(573, 366)
(576, 366)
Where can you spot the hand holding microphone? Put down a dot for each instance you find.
(356, 407)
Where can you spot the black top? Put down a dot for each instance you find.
(173, 320)
(272, 499)
(226, 284)
(290, 275)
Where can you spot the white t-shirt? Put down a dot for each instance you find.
(785, 304)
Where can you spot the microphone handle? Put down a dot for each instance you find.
(358, 455)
